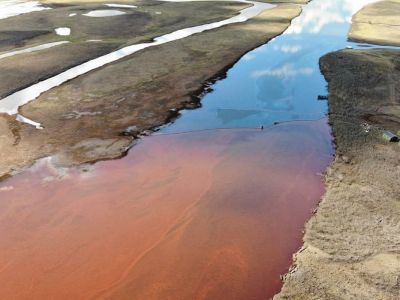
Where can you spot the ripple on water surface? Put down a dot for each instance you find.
(213, 213)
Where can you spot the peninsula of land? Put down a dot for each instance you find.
(98, 115)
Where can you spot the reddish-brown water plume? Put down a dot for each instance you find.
(207, 215)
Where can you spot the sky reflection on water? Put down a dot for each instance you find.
(279, 81)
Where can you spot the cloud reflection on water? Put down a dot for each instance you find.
(322, 13)
(288, 48)
(279, 81)
(287, 70)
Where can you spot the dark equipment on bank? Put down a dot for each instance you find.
(389, 136)
(322, 97)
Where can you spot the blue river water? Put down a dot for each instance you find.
(279, 81)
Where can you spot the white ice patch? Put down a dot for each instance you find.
(63, 31)
(120, 5)
(22, 119)
(72, 15)
(11, 8)
(11, 104)
(32, 49)
(104, 13)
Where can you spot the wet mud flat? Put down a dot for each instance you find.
(184, 216)
(86, 119)
(352, 246)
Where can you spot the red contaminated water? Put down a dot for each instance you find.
(206, 215)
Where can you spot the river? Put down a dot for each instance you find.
(212, 206)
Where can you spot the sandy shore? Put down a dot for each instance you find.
(377, 23)
(352, 244)
(86, 119)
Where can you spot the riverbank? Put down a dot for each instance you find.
(351, 246)
(87, 119)
(377, 23)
